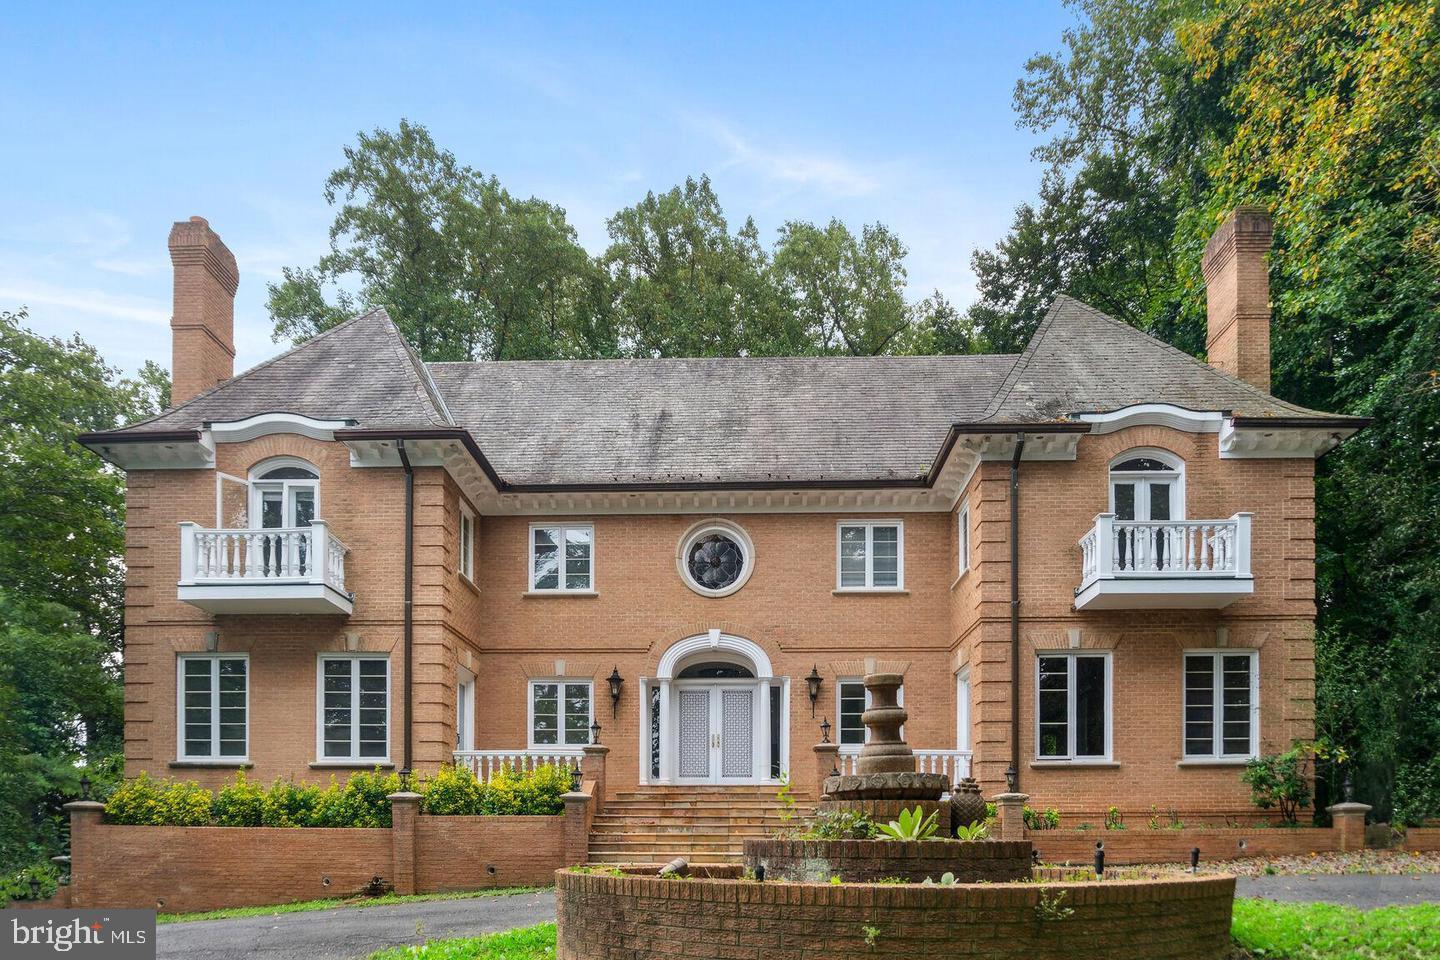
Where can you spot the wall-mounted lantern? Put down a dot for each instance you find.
(813, 683)
(615, 680)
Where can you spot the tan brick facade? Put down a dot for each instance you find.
(789, 608)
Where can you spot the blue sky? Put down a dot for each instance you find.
(125, 117)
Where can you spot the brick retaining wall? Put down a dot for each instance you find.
(602, 916)
(1167, 846)
(185, 869)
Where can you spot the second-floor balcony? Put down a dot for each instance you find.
(266, 570)
(1174, 564)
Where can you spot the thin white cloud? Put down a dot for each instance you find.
(95, 302)
(795, 167)
(129, 267)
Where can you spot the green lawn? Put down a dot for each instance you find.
(1320, 931)
(305, 906)
(1272, 931)
(527, 943)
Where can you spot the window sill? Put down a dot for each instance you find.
(238, 763)
(352, 764)
(468, 583)
(897, 591)
(1102, 764)
(1214, 762)
(560, 593)
(959, 578)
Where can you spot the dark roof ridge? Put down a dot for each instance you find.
(823, 357)
(1023, 360)
(250, 371)
(425, 387)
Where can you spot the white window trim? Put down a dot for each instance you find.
(962, 709)
(847, 748)
(1176, 474)
(559, 746)
(351, 760)
(464, 709)
(1218, 756)
(1070, 759)
(213, 758)
(258, 486)
(870, 526)
(962, 533)
(466, 551)
(560, 587)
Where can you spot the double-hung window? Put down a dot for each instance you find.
(1221, 705)
(851, 700)
(870, 555)
(466, 565)
(962, 537)
(560, 713)
(1073, 719)
(214, 707)
(562, 557)
(354, 709)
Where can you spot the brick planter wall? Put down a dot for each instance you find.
(1173, 846)
(864, 861)
(185, 869)
(602, 916)
(1422, 839)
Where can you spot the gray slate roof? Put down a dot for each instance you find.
(751, 420)
(362, 369)
(1083, 361)
(707, 420)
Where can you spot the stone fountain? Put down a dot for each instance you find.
(884, 784)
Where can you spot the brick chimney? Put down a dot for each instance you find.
(1237, 294)
(203, 325)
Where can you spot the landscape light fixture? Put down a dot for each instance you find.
(595, 732)
(825, 730)
(615, 680)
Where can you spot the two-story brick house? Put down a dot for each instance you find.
(1092, 562)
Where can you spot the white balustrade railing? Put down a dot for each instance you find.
(272, 555)
(955, 764)
(1115, 549)
(484, 764)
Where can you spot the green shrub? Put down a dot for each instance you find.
(536, 793)
(17, 885)
(289, 805)
(841, 825)
(148, 802)
(1283, 779)
(1049, 819)
(361, 802)
(240, 804)
(453, 791)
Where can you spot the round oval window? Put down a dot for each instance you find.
(715, 558)
(716, 561)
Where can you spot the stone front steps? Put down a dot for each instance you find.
(703, 824)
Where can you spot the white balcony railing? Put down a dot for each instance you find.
(955, 764)
(1164, 550)
(486, 763)
(275, 570)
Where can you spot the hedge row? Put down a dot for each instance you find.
(359, 802)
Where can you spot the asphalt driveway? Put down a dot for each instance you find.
(350, 932)
(1353, 890)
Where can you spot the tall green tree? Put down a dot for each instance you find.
(61, 551)
(848, 291)
(686, 286)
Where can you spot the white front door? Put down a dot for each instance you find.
(716, 733)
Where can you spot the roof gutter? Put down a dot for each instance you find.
(408, 629)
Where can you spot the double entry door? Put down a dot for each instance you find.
(716, 733)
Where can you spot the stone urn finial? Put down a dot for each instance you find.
(886, 751)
